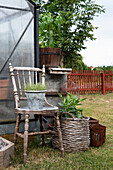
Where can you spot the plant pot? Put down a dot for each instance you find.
(75, 134)
(50, 57)
(6, 153)
(35, 99)
(98, 135)
(4, 88)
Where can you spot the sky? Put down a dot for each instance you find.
(100, 51)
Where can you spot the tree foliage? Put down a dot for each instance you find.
(76, 26)
(50, 30)
(104, 68)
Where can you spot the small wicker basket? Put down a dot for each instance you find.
(75, 134)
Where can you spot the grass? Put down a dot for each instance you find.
(35, 87)
(46, 158)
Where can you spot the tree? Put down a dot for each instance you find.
(76, 26)
(50, 30)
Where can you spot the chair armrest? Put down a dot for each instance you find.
(46, 103)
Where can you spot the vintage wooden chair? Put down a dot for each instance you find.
(21, 75)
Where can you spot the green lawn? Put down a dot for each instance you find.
(101, 158)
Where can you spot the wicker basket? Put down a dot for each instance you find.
(98, 135)
(75, 134)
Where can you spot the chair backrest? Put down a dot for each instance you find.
(22, 75)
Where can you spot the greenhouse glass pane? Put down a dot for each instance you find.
(17, 47)
(14, 3)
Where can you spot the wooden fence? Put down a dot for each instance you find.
(91, 81)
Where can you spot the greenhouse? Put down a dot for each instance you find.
(19, 46)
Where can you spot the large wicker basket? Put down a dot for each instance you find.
(75, 134)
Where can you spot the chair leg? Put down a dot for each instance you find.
(17, 127)
(59, 135)
(26, 136)
(41, 129)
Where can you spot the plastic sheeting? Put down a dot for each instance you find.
(16, 46)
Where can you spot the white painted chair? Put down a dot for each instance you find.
(21, 75)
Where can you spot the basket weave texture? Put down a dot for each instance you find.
(75, 134)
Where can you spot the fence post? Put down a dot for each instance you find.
(103, 83)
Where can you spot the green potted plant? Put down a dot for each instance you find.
(35, 94)
(74, 126)
(49, 31)
(69, 105)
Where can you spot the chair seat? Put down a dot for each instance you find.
(46, 110)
